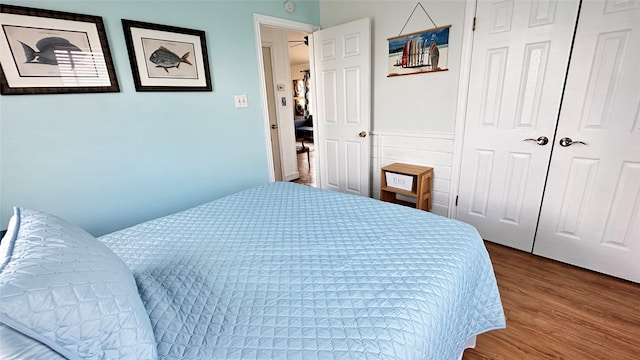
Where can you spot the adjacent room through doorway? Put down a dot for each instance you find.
(298, 45)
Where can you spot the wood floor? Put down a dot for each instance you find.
(306, 166)
(557, 311)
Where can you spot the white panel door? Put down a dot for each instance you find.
(519, 61)
(342, 58)
(590, 214)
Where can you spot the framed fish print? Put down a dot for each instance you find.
(167, 58)
(52, 52)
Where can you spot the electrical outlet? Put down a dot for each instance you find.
(241, 101)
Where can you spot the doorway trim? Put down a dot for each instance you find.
(463, 98)
(290, 25)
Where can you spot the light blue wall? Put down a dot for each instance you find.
(107, 161)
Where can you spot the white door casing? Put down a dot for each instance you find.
(590, 214)
(342, 66)
(519, 61)
(273, 117)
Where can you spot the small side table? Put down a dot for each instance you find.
(409, 180)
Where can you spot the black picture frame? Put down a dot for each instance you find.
(167, 58)
(53, 52)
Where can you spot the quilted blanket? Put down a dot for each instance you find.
(286, 271)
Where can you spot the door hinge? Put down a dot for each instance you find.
(474, 24)
(456, 200)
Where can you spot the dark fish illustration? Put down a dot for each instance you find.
(47, 48)
(166, 59)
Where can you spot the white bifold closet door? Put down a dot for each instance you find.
(590, 213)
(520, 56)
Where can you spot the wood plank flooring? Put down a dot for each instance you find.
(557, 311)
(306, 166)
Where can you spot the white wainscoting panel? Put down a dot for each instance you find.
(433, 150)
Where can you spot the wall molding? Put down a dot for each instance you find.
(433, 135)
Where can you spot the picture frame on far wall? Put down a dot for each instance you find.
(53, 52)
(420, 52)
(167, 58)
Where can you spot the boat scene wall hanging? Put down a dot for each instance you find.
(419, 52)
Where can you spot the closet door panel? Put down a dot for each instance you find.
(520, 56)
(590, 214)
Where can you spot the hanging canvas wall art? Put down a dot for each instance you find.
(420, 52)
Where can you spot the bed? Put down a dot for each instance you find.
(278, 271)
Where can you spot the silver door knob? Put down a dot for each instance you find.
(274, 126)
(542, 140)
(362, 134)
(565, 141)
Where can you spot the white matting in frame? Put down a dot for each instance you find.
(43, 51)
(165, 58)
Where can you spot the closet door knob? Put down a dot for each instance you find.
(362, 134)
(542, 140)
(565, 141)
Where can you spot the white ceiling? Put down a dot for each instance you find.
(298, 51)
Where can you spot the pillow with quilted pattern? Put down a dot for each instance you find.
(62, 287)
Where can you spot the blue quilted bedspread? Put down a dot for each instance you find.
(286, 271)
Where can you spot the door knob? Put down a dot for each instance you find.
(565, 141)
(542, 140)
(362, 134)
(274, 126)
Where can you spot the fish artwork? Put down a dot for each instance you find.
(166, 59)
(47, 48)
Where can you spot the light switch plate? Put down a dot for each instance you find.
(241, 101)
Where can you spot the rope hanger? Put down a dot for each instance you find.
(414, 10)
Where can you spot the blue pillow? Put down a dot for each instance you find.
(62, 287)
(16, 345)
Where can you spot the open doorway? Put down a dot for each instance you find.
(298, 43)
(284, 106)
(342, 103)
